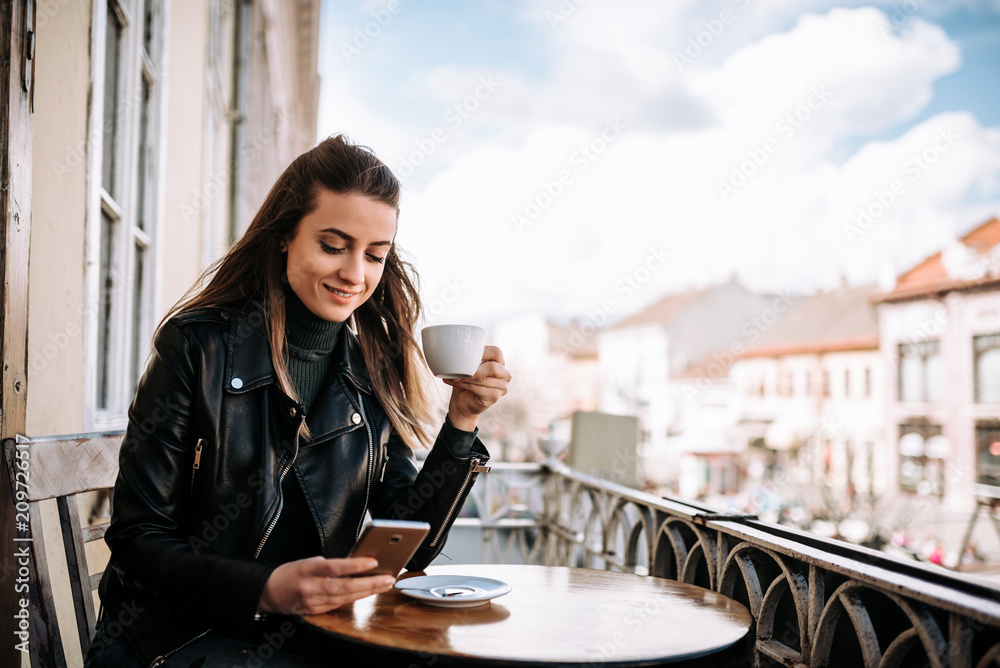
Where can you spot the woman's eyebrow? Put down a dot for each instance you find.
(348, 237)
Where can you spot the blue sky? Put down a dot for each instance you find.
(739, 137)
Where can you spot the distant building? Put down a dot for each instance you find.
(940, 331)
(812, 386)
(555, 367)
(668, 365)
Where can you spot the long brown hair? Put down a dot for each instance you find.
(251, 274)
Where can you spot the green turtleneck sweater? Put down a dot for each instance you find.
(310, 341)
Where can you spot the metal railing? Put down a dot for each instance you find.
(816, 602)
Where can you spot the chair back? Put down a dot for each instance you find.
(60, 468)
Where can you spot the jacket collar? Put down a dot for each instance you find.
(248, 356)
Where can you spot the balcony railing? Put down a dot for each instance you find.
(816, 602)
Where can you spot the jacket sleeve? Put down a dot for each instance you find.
(148, 535)
(434, 494)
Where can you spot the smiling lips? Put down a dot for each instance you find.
(341, 296)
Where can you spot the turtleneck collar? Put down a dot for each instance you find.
(305, 330)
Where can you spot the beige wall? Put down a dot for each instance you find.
(56, 286)
(192, 182)
(187, 199)
(56, 270)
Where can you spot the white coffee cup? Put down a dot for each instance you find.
(453, 351)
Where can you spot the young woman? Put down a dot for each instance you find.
(281, 402)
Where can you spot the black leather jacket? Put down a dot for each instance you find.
(209, 439)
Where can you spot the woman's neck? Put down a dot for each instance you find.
(304, 329)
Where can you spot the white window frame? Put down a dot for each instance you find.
(136, 66)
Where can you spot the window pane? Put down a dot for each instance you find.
(139, 283)
(988, 453)
(987, 368)
(144, 158)
(147, 28)
(911, 379)
(934, 369)
(917, 471)
(112, 63)
(106, 291)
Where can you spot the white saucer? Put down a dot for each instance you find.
(452, 591)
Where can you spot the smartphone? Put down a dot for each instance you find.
(391, 543)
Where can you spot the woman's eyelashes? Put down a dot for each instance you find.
(327, 248)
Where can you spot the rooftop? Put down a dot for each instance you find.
(839, 320)
(972, 262)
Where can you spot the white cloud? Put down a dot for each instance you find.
(657, 184)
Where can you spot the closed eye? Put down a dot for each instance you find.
(330, 249)
(327, 248)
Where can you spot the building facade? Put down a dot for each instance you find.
(158, 128)
(814, 398)
(940, 336)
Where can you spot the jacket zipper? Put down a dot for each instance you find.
(197, 461)
(475, 466)
(160, 660)
(371, 466)
(281, 496)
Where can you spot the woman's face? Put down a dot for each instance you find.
(337, 255)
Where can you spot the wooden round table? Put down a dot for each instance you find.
(553, 615)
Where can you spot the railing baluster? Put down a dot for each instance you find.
(895, 609)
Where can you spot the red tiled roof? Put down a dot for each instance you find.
(930, 276)
(661, 311)
(835, 321)
(806, 347)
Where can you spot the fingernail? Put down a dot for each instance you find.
(372, 563)
(388, 582)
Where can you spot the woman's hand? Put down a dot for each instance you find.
(470, 397)
(316, 585)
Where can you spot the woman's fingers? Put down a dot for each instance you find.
(333, 568)
(494, 354)
(316, 585)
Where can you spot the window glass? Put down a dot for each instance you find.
(112, 69)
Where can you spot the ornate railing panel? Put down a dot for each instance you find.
(508, 503)
(816, 602)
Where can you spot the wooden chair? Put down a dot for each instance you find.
(59, 467)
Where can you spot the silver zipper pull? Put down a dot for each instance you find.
(476, 467)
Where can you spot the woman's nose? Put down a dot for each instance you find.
(353, 269)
